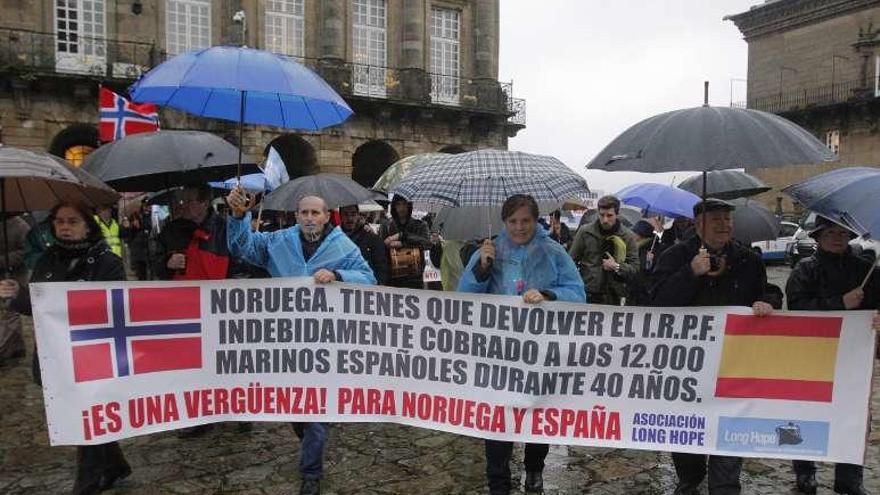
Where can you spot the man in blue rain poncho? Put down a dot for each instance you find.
(522, 261)
(312, 248)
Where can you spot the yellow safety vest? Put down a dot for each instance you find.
(111, 235)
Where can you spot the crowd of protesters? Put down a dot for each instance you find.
(692, 263)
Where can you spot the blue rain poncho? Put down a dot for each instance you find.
(281, 254)
(541, 264)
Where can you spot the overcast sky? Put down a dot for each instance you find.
(589, 69)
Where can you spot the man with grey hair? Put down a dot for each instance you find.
(312, 248)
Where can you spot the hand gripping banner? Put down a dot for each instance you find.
(126, 359)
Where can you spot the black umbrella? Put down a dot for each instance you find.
(152, 161)
(32, 181)
(753, 222)
(711, 138)
(725, 184)
(335, 189)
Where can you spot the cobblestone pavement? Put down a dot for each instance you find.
(360, 459)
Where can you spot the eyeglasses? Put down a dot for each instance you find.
(73, 221)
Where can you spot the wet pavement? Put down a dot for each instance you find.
(360, 458)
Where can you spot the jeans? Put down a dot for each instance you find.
(498, 456)
(723, 473)
(311, 449)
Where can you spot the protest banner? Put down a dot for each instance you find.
(126, 359)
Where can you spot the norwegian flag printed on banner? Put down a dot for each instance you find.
(120, 117)
(121, 332)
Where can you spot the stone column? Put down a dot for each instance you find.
(485, 78)
(413, 77)
(486, 40)
(331, 48)
(332, 30)
(413, 53)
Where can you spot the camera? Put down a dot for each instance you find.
(714, 262)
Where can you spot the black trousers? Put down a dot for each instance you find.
(844, 474)
(94, 462)
(723, 473)
(498, 456)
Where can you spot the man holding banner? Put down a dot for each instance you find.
(314, 248)
(831, 280)
(710, 269)
(523, 261)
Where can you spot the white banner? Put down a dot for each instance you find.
(126, 359)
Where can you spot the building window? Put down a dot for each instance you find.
(77, 154)
(284, 27)
(80, 37)
(187, 25)
(369, 47)
(832, 140)
(445, 35)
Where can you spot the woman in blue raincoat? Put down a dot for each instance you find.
(522, 261)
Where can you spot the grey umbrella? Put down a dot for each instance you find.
(38, 181)
(32, 181)
(152, 161)
(711, 138)
(753, 222)
(335, 189)
(489, 177)
(725, 184)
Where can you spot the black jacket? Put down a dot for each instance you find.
(674, 284)
(57, 264)
(819, 282)
(373, 250)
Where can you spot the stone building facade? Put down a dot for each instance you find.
(817, 63)
(420, 75)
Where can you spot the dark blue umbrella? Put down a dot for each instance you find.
(660, 199)
(243, 85)
(849, 196)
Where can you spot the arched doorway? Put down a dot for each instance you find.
(298, 155)
(452, 149)
(370, 160)
(75, 143)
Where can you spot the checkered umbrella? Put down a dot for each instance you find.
(488, 177)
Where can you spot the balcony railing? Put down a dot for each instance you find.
(804, 98)
(31, 51)
(36, 53)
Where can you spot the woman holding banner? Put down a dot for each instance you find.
(78, 254)
(522, 261)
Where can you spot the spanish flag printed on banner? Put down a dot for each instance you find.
(779, 357)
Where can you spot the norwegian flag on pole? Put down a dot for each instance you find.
(120, 117)
(121, 332)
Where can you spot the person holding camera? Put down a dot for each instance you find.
(710, 269)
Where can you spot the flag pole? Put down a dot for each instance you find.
(240, 134)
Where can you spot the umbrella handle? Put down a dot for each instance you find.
(868, 276)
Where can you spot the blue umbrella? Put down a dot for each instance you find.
(849, 196)
(255, 183)
(659, 199)
(243, 85)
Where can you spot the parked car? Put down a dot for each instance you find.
(777, 249)
(803, 245)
